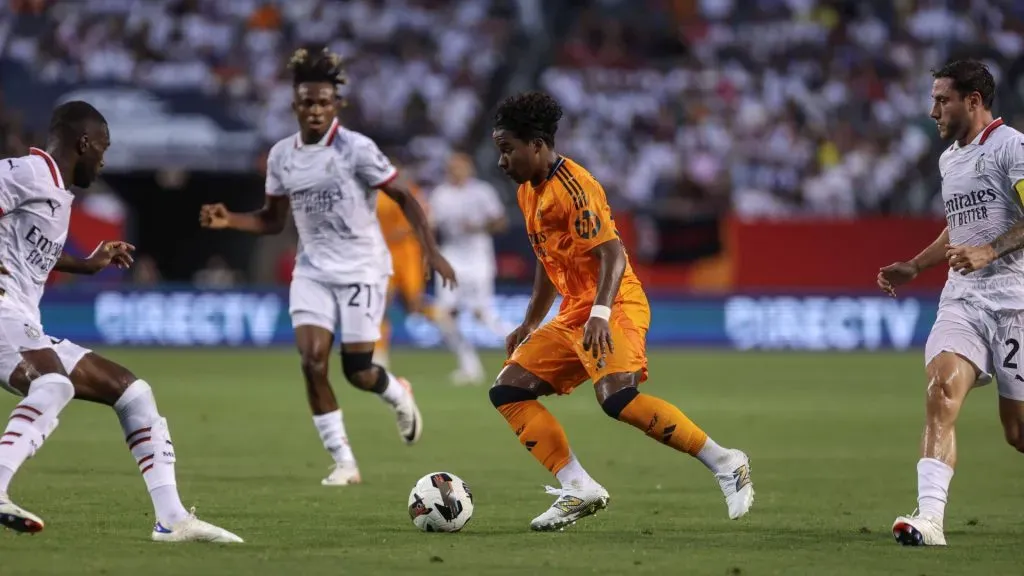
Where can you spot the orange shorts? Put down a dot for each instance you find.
(554, 352)
(409, 280)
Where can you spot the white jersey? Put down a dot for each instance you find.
(35, 212)
(333, 186)
(981, 191)
(459, 212)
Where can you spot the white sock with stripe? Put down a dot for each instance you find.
(32, 420)
(149, 440)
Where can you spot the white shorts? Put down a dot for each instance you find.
(475, 293)
(991, 340)
(19, 332)
(359, 308)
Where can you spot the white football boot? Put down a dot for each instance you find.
(410, 422)
(464, 378)
(17, 518)
(574, 502)
(343, 475)
(193, 529)
(918, 530)
(737, 485)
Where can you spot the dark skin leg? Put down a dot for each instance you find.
(314, 345)
(95, 378)
(612, 383)
(35, 363)
(516, 376)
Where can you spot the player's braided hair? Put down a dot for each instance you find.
(317, 65)
(970, 76)
(529, 115)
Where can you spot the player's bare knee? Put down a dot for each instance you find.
(516, 384)
(614, 392)
(1014, 437)
(501, 394)
(314, 364)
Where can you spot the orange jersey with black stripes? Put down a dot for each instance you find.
(393, 225)
(568, 215)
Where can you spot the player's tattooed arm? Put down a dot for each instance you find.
(1010, 241)
(270, 219)
(117, 253)
(399, 191)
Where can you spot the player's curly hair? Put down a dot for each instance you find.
(969, 76)
(317, 64)
(528, 116)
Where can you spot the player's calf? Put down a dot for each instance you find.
(662, 421)
(31, 422)
(361, 372)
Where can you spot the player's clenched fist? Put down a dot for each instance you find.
(214, 216)
(896, 274)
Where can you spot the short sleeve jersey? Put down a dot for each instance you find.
(35, 213)
(332, 186)
(982, 190)
(567, 216)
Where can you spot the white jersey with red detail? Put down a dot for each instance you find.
(982, 189)
(35, 213)
(332, 186)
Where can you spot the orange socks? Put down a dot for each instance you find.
(664, 422)
(538, 430)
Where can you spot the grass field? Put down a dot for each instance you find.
(833, 441)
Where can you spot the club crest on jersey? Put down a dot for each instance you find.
(32, 332)
(587, 225)
(979, 165)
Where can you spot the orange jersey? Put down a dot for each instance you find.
(566, 217)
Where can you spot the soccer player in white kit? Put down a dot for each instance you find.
(980, 323)
(329, 177)
(35, 212)
(467, 212)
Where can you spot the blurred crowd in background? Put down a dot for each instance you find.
(682, 108)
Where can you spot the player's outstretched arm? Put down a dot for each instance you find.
(596, 334)
(267, 220)
(107, 253)
(899, 273)
(399, 191)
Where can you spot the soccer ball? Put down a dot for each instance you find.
(440, 502)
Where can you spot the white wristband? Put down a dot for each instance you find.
(599, 311)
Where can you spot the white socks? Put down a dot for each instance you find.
(331, 428)
(149, 440)
(573, 474)
(32, 420)
(395, 393)
(933, 478)
(715, 457)
(469, 361)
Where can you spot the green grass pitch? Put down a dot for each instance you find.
(833, 441)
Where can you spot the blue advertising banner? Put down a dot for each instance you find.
(254, 317)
